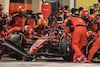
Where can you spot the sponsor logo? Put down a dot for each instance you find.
(45, 9)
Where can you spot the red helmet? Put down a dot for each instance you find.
(27, 29)
(83, 13)
(66, 20)
(89, 35)
(1, 7)
(21, 9)
(41, 22)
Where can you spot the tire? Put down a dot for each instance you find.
(28, 59)
(63, 46)
(68, 58)
(96, 58)
(15, 55)
(66, 47)
(19, 39)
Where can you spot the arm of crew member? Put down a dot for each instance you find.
(67, 29)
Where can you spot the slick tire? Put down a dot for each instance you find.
(28, 59)
(63, 46)
(68, 58)
(14, 55)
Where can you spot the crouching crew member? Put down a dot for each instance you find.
(19, 19)
(96, 45)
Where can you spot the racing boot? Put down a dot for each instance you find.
(81, 58)
(87, 60)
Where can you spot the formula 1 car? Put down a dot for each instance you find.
(52, 45)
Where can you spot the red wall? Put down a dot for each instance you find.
(13, 6)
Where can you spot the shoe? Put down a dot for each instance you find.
(87, 60)
(81, 58)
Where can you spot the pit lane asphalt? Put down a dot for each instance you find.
(44, 62)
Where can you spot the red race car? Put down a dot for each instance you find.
(53, 45)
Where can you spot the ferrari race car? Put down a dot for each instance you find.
(52, 45)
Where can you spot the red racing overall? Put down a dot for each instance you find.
(78, 37)
(88, 19)
(19, 21)
(94, 48)
(66, 14)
